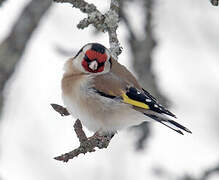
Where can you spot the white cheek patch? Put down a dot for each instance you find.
(93, 65)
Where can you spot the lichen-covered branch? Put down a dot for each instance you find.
(107, 22)
(112, 21)
(86, 144)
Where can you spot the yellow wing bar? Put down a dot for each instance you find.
(127, 100)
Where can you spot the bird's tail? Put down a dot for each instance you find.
(169, 123)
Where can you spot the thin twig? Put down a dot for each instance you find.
(79, 131)
(61, 110)
(86, 144)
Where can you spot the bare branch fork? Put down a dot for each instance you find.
(107, 22)
(86, 144)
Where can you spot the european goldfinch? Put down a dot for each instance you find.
(105, 96)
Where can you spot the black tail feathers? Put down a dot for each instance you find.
(169, 123)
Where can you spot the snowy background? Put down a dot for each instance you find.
(186, 62)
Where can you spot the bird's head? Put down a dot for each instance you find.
(93, 58)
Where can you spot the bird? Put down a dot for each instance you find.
(106, 96)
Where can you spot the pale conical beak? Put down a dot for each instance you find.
(93, 65)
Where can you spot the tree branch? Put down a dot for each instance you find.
(1, 2)
(107, 22)
(12, 48)
(61, 110)
(142, 49)
(112, 21)
(206, 175)
(86, 144)
(214, 2)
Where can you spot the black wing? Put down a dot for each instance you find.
(143, 97)
(147, 99)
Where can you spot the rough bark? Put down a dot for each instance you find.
(107, 22)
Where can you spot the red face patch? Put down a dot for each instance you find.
(91, 54)
(94, 56)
